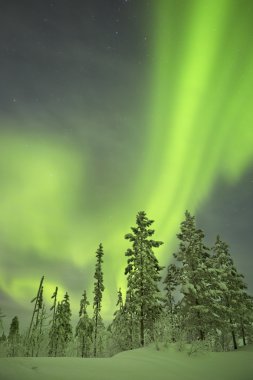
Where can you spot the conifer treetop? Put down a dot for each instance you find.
(14, 327)
(142, 229)
(98, 285)
(83, 305)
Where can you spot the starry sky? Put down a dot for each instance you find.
(111, 107)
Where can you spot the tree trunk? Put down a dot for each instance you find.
(95, 344)
(35, 309)
(83, 344)
(233, 335)
(142, 303)
(142, 326)
(234, 340)
(95, 336)
(201, 335)
(201, 332)
(131, 333)
(243, 333)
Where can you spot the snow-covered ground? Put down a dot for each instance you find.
(141, 364)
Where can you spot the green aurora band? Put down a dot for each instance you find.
(201, 108)
(199, 130)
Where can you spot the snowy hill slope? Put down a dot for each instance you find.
(139, 364)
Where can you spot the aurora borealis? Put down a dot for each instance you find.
(108, 108)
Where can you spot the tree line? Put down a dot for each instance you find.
(202, 302)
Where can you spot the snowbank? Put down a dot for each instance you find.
(140, 364)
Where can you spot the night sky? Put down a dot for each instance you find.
(111, 107)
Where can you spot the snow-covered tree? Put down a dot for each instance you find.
(97, 302)
(245, 317)
(53, 330)
(38, 335)
(235, 305)
(60, 333)
(167, 324)
(84, 329)
(14, 338)
(35, 333)
(64, 325)
(119, 327)
(171, 282)
(197, 286)
(143, 276)
(3, 338)
(53, 307)
(3, 345)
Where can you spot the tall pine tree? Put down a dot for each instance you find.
(53, 330)
(97, 302)
(143, 275)
(35, 333)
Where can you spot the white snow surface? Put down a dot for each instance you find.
(140, 364)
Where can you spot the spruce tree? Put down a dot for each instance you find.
(197, 286)
(143, 276)
(14, 338)
(119, 326)
(53, 330)
(97, 302)
(3, 338)
(84, 328)
(235, 306)
(61, 330)
(64, 326)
